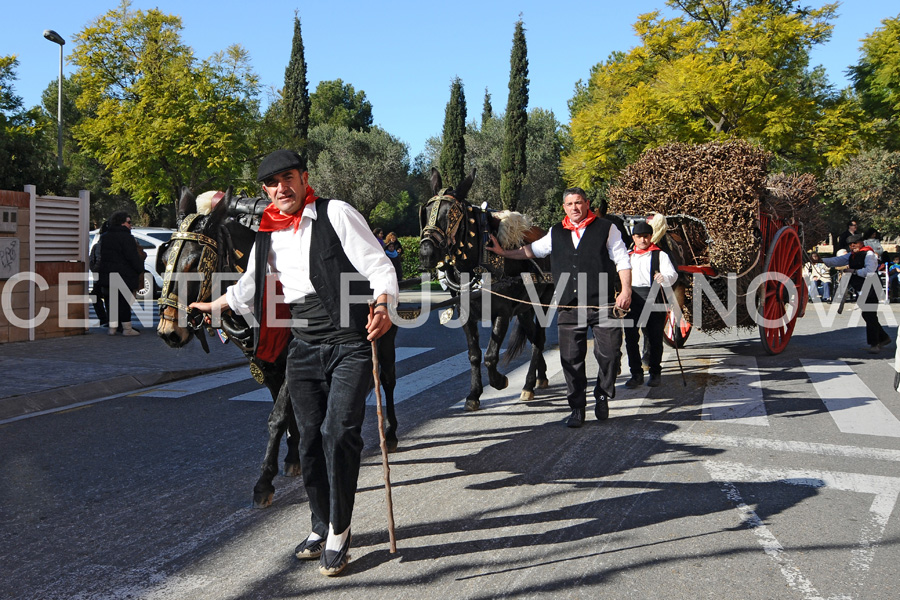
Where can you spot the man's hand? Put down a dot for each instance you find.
(623, 300)
(495, 246)
(379, 321)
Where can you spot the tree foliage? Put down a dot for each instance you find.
(513, 164)
(876, 78)
(155, 116)
(453, 148)
(363, 168)
(337, 103)
(720, 69)
(487, 111)
(27, 139)
(296, 92)
(868, 185)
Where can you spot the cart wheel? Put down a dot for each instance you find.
(784, 257)
(675, 335)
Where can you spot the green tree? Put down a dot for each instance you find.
(487, 111)
(156, 117)
(296, 92)
(27, 139)
(876, 78)
(337, 103)
(513, 165)
(720, 69)
(83, 171)
(363, 168)
(868, 186)
(453, 148)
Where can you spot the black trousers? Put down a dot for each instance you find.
(328, 385)
(653, 332)
(607, 333)
(875, 333)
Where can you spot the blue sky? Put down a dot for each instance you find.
(403, 54)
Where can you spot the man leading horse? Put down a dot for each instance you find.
(314, 246)
(586, 253)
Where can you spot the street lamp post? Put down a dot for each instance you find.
(57, 39)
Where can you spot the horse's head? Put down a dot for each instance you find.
(446, 223)
(188, 261)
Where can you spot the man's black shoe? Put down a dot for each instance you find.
(635, 381)
(576, 419)
(601, 407)
(332, 563)
(654, 380)
(309, 549)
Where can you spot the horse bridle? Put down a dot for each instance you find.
(206, 267)
(458, 224)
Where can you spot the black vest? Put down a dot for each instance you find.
(327, 262)
(591, 258)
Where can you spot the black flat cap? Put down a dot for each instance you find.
(278, 162)
(854, 239)
(642, 228)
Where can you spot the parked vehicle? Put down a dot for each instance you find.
(149, 239)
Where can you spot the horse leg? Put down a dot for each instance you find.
(387, 361)
(537, 368)
(497, 379)
(264, 490)
(292, 458)
(470, 327)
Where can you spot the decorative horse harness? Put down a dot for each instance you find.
(206, 267)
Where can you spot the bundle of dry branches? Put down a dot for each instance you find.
(725, 185)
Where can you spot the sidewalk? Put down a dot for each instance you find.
(50, 373)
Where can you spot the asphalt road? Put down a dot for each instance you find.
(762, 477)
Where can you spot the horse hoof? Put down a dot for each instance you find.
(526, 396)
(500, 384)
(263, 499)
(473, 405)
(292, 469)
(543, 383)
(391, 445)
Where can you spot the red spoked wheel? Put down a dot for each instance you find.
(779, 305)
(676, 334)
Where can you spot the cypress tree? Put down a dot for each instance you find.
(512, 163)
(296, 93)
(487, 111)
(453, 149)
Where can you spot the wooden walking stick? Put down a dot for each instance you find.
(384, 452)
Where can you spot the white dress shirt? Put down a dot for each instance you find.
(640, 270)
(618, 253)
(289, 258)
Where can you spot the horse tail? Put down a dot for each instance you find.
(516, 342)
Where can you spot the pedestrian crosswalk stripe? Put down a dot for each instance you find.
(415, 383)
(510, 395)
(734, 392)
(186, 387)
(852, 405)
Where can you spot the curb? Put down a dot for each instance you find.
(26, 404)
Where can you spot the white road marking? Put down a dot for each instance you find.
(416, 383)
(852, 405)
(510, 396)
(884, 489)
(186, 387)
(734, 392)
(699, 439)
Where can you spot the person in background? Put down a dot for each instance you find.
(852, 226)
(379, 235)
(97, 290)
(121, 269)
(894, 277)
(862, 267)
(394, 251)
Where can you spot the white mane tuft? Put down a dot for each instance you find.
(204, 202)
(513, 226)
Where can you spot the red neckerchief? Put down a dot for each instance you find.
(275, 220)
(567, 223)
(865, 249)
(650, 248)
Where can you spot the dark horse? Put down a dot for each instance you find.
(453, 238)
(219, 243)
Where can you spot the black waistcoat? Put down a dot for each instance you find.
(591, 258)
(327, 264)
